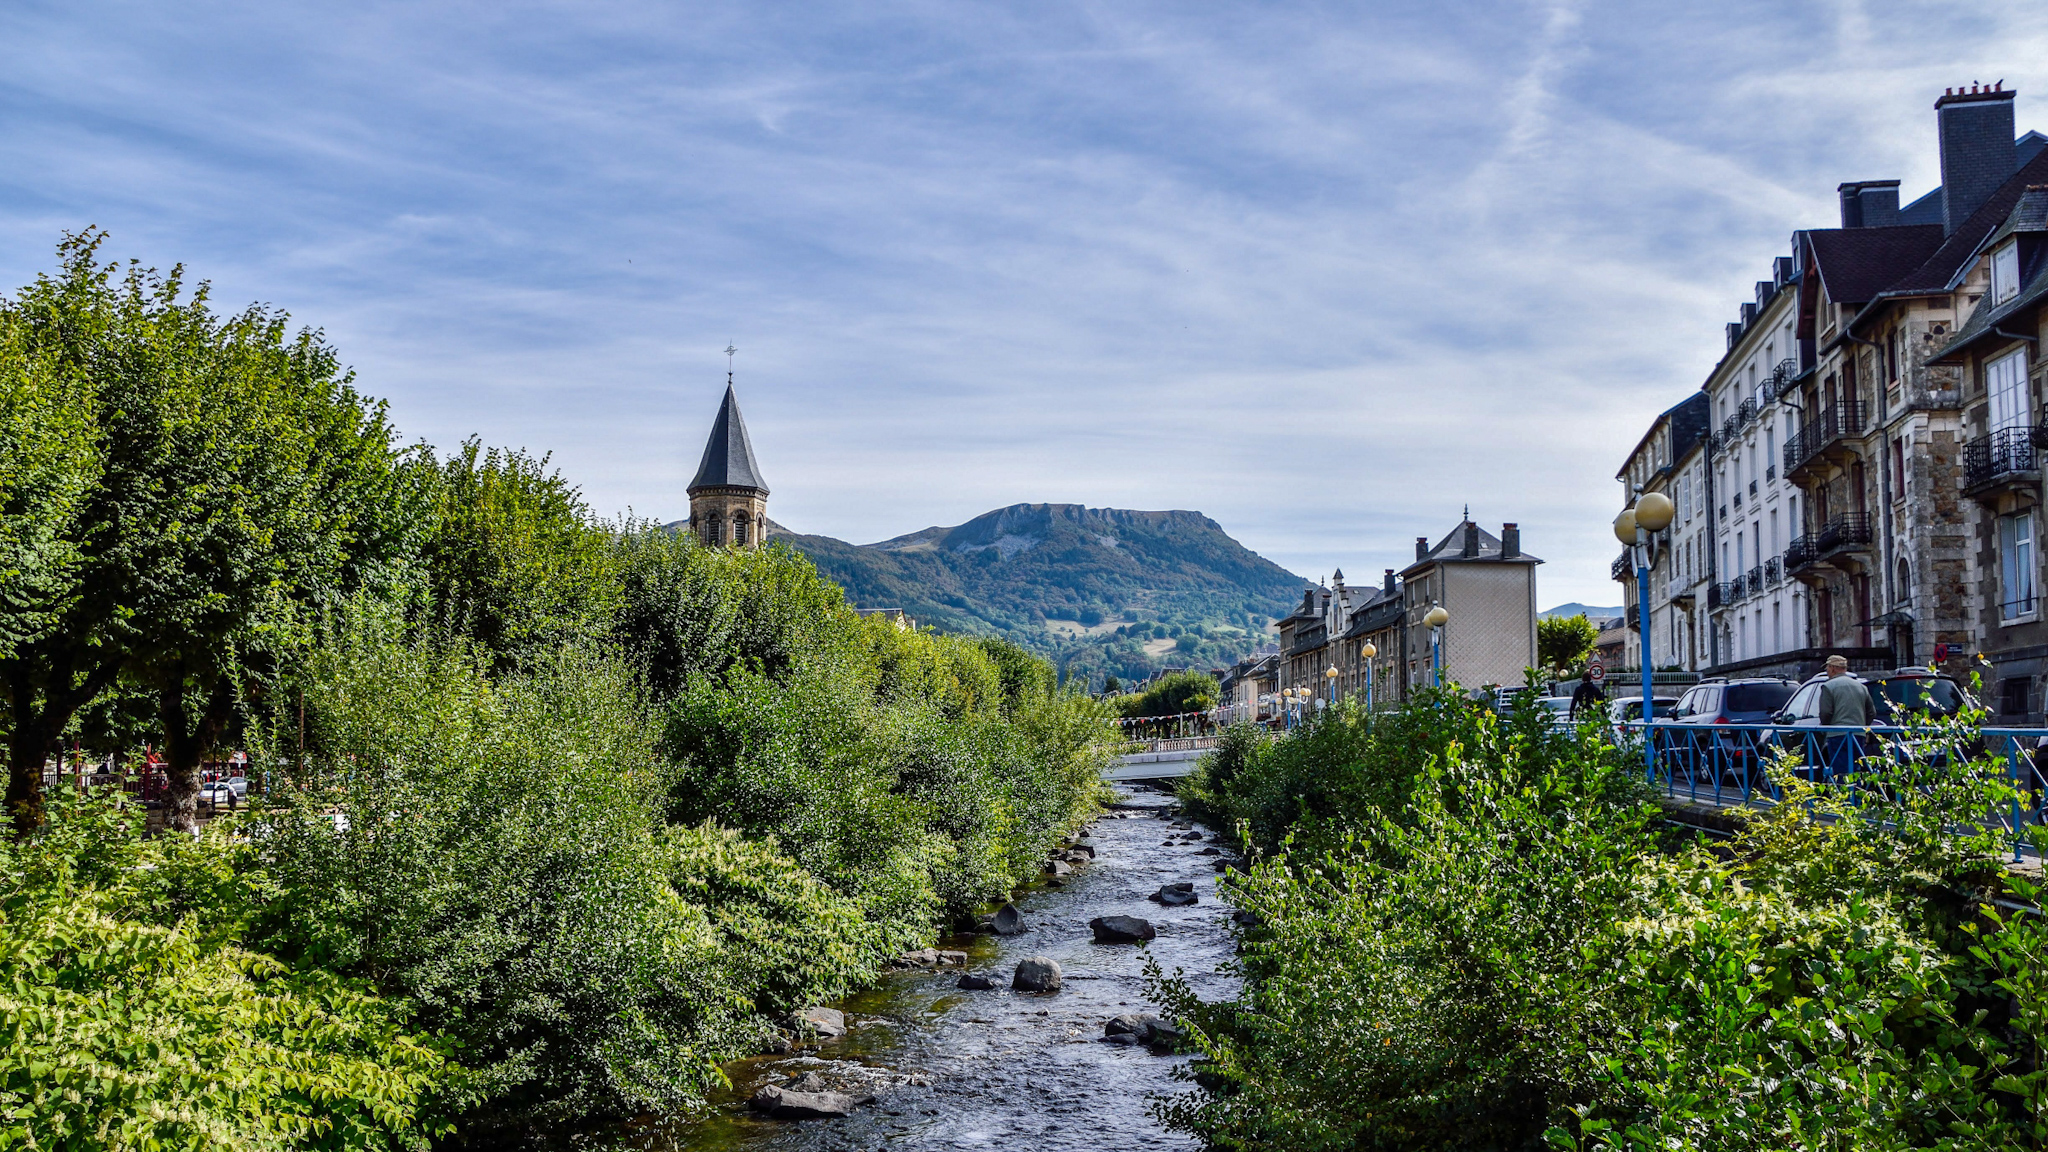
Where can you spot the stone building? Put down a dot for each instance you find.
(728, 498)
(2000, 375)
(1378, 621)
(1488, 586)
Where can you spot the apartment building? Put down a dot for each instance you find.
(1755, 621)
(1668, 459)
(1869, 480)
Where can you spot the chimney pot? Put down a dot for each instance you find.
(1387, 582)
(1510, 540)
(1471, 548)
(1421, 547)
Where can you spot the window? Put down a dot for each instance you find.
(739, 529)
(2005, 272)
(1774, 533)
(1902, 586)
(1770, 453)
(2005, 381)
(2016, 566)
(1898, 468)
(1777, 627)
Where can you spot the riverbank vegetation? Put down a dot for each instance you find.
(555, 814)
(1470, 932)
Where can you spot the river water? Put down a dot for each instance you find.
(962, 1069)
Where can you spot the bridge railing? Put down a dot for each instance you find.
(1738, 763)
(1178, 744)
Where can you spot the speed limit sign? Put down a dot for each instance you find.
(1596, 671)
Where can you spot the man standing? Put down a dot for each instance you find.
(1844, 703)
(1587, 695)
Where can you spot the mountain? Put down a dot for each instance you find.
(1596, 615)
(1101, 590)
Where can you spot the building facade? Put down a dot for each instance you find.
(1487, 585)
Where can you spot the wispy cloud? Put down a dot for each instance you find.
(1324, 272)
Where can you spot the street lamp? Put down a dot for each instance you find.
(1331, 675)
(1366, 654)
(1634, 528)
(1436, 618)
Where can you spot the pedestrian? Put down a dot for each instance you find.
(1588, 694)
(1844, 703)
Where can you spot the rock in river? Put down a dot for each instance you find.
(975, 982)
(823, 1021)
(1175, 895)
(1037, 974)
(1121, 929)
(784, 1104)
(1007, 921)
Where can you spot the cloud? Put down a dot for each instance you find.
(1326, 273)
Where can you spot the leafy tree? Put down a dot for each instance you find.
(238, 484)
(514, 559)
(1173, 694)
(1563, 641)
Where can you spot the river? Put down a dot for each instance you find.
(961, 1069)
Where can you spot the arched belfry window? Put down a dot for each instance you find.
(739, 528)
(711, 531)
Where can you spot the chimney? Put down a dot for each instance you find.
(1421, 547)
(1510, 541)
(1870, 203)
(1471, 548)
(1977, 152)
(1387, 582)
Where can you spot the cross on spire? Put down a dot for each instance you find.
(729, 350)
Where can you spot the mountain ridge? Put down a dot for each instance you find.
(1101, 590)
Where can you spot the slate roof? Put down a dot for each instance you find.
(728, 454)
(1451, 550)
(1857, 264)
(2029, 214)
(1938, 272)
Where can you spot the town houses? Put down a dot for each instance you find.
(1464, 609)
(1859, 473)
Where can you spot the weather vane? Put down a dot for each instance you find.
(729, 350)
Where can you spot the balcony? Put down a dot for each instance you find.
(1786, 372)
(1835, 544)
(1756, 580)
(2007, 458)
(1773, 572)
(1824, 438)
(1752, 490)
(1747, 411)
(1621, 569)
(1679, 590)
(1724, 594)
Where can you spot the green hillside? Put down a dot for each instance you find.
(1101, 590)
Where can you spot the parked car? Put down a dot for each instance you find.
(1629, 710)
(1895, 698)
(1729, 756)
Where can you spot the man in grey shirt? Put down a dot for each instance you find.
(1844, 703)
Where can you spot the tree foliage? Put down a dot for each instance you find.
(1562, 642)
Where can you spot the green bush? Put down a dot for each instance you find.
(133, 1017)
(1472, 933)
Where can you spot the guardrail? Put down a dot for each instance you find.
(1731, 763)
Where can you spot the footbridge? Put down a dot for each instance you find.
(1161, 759)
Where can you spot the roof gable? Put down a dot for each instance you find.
(1856, 264)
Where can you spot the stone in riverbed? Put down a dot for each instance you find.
(1037, 974)
(922, 958)
(975, 982)
(825, 1022)
(1058, 867)
(784, 1104)
(1210, 852)
(1121, 929)
(1007, 921)
(1176, 895)
(952, 958)
(808, 1082)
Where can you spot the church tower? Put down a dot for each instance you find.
(728, 500)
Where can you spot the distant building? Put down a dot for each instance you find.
(1487, 585)
(728, 498)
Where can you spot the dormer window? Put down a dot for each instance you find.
(2005, 272)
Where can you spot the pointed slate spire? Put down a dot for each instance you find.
(729, 455)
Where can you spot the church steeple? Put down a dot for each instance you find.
(728, 498)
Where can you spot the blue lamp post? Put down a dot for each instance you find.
(1636, 527)
(1365, 654)
(1436, 618)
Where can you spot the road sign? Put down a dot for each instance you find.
(1596, 671)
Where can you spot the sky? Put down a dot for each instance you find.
(1328, 273)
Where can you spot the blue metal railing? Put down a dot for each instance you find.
(1740, 763)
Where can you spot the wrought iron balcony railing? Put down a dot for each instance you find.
(1621, 569)
(1844, 532)
(1773, 572)
(2002, 453)
(1833, 423)
(1756, 580)
(1803, 552)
